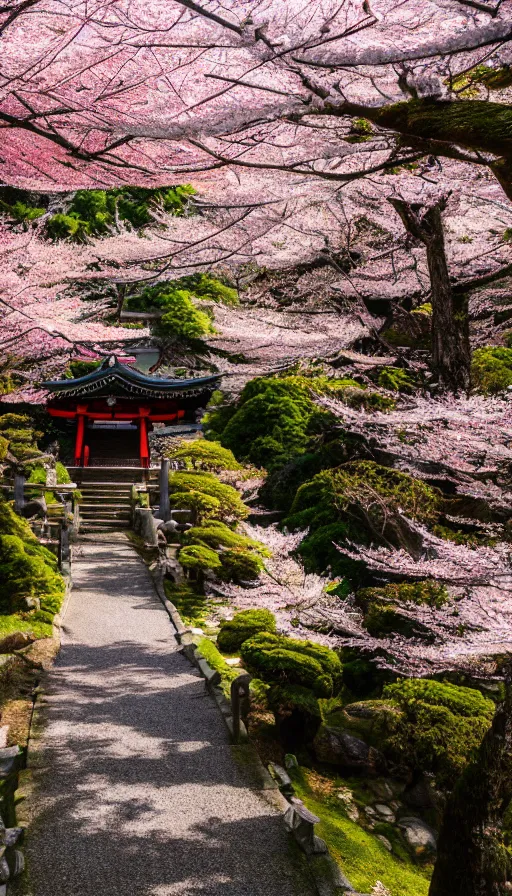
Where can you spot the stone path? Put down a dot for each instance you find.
(137, 790)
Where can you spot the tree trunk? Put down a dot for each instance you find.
(121, 295)
(451, 354)
(472, 860)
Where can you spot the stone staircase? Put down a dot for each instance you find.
(106, 496)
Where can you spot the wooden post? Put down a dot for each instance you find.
(19, 492)
(164, 506)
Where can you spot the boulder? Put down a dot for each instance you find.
(35, 507)
(337, 747)
(419, 836)
(16, 641)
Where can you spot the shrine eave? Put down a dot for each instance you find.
(114, 378)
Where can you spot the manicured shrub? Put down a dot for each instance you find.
(63, 476)
(200, 454)
(233, 632)
(226, 500)
(4, 447)
(199, 557)
(240, 565)
(491, 369)
(28, 570)
(278, 659)
(217, 535)
(37, 475)
(14, 421)
(94, 212)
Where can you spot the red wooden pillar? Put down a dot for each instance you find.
(144, 442)
(81, 410)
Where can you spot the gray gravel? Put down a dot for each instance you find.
(138, 790)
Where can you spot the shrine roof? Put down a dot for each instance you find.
(114, 378)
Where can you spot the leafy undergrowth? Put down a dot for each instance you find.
(24, 622)
(360, 855)
(192, 605)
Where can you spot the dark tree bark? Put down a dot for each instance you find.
(451, 354)
(472, 860)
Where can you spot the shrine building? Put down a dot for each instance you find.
(114, 409)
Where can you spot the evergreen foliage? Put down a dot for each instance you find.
(95, 212)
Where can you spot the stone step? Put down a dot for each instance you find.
(90, 505)
(92, 514)
(100, 525)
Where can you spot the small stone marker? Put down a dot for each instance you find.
(301, 824)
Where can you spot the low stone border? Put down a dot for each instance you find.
(277, 787)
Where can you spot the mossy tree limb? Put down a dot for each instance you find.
(472, 860)
(451, 354)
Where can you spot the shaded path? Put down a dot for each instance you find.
(137, 788)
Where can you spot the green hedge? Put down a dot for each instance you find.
(278, 659)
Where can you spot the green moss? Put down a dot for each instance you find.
(425, 308)
(199, 557)
(491, 369)
(475, 124)
(14, 421)
(396, 380)
(234, 632)
(279, 659)
(94, 212)
(360, 855)
(322, 504)
(200, 454)
(192, 605)
(216, 661)
(4, 447)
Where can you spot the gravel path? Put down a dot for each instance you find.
(137, 790)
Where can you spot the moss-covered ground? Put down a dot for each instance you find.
(359, 853)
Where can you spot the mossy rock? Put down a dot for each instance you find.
(233, 632)
(282, 660)
(371, 720)
(440, 727)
